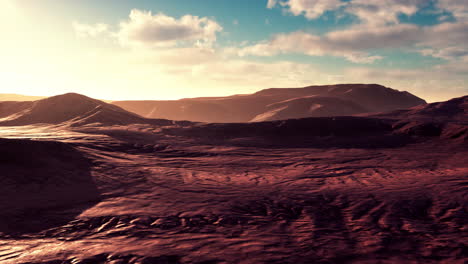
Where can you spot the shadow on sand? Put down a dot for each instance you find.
(43, 184)
(326, 132)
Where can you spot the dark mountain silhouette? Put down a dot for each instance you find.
(68, 109)
(279, 103)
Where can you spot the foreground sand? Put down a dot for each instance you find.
(144, 196)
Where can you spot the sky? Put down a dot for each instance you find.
(157, 49)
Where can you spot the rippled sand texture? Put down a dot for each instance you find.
(181, 202)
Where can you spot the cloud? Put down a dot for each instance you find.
(447, 34)
(360, 57)
(271, 3)
(374, 37)
(359, 41)
(367, 11)
(378, 12)
(354, 44)
(449, 53)
(459, 8)
(90, 31)
(446, 41)
(311, 9)
(379, 28)
(144, 28)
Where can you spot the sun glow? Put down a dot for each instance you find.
(21, 64)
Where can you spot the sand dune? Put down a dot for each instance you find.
(69, 109)
(9, 108)
(349, 99)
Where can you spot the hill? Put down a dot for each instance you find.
(350, 99)
(447, 119)
(68, 109)
(454, 110)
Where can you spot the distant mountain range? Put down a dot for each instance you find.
(444, 119)
(279, 104)
(265, 105)
(76, 110)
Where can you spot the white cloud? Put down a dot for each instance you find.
(311, 9)
(377, 12)
(271, 3)
(90, 31)
(144, 28)
(364, 58)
